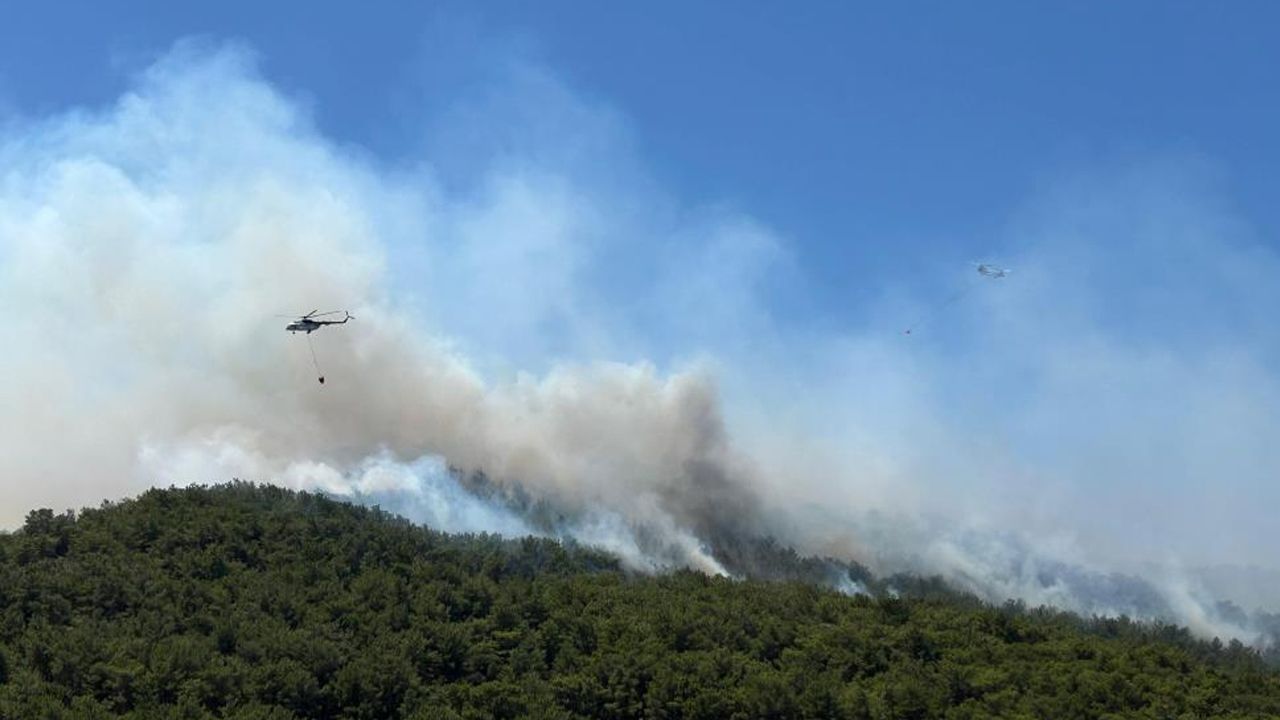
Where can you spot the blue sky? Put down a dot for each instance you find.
(871, 136)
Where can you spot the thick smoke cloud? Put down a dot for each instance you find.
(1085, 434)
(146, 249)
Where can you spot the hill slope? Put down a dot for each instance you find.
(256, 602)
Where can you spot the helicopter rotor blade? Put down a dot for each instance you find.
(312, 314)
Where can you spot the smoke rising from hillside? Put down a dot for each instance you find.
(147, 250)
(1039, 433)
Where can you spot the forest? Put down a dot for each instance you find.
(252, 601)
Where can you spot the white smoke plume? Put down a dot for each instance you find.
(146, 249)
(594, 349)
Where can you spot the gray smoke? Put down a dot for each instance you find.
(145, 250)
(1034, 446)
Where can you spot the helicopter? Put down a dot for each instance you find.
(308, 323)
(991, 271)
(986, 270)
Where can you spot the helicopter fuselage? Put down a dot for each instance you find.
(310, 326)
(303, 326)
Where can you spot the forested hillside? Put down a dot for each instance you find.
(255, 602)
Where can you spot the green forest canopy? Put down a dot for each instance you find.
(253, 601)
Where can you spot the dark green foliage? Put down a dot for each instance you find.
(256, 602)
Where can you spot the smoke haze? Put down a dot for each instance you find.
(1086, 433)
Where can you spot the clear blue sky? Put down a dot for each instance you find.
(866, 134)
